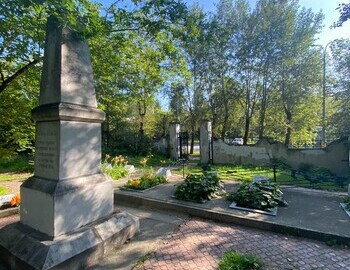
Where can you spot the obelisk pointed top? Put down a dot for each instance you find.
(67, 73)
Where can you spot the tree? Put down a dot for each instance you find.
(22, 29)
(344, 10)
(341, 59)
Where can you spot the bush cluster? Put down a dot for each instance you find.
(200, 187)
(261, 195)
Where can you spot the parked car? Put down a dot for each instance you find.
(237, 141)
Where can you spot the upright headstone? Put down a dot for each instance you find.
(67, 206)
(174, 132)
(205, 141)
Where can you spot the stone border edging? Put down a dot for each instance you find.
(229, 218)
(9, 212)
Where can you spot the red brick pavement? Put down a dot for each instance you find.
(199, 244)
(8, 220)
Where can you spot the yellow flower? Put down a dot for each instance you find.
(143, 162)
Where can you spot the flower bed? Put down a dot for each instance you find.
(146, 181)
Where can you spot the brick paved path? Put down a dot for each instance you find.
(199, 244)
(8, 220)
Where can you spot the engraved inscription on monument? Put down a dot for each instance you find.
(46, 150)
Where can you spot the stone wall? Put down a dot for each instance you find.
(335, 157)
(160, 145)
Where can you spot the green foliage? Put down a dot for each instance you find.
(4, 191)
(18, 164)
(200, 187)
(115, 172)
(315, 174)
(237, 261)
(147, 180)
(346, 200)
(261, 195)
(115, 167)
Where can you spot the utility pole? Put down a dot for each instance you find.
(323, 134)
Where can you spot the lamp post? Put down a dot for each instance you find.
(323, 134)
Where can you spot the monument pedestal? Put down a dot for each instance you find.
(22, 247)
(67, 217)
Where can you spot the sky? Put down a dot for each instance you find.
(328, 8)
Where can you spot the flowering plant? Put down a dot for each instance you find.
(147, 180)
(16, 200)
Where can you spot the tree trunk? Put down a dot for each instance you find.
(289, 128)
(192, 140)
(247, 115)
(142, 113)
(246, 129)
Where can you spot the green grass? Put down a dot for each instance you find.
(4, 191)
(16, 165)
(14, 176)
(283, 177)
(237, 261)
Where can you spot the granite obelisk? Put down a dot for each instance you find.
(67, 216)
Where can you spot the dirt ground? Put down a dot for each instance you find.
(13, 185)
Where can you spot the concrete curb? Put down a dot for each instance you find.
(9, 212)
(134, 200)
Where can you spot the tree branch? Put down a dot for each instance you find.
(10, 79)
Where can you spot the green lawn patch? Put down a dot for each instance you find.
(238, 261)
(243, 173)
(4, 191)
(16, 165)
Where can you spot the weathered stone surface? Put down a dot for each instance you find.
(174, 131)
(259, 178)
(67, 72)
(164, 172)
(68, 189)
(66, 214)
(58, 207)
(24, 248)
(205, 140)
(130, 168)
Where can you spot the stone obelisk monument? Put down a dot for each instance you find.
(67, 217)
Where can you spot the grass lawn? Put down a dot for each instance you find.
(12, 171)
(21, 169)
(4, 191)
(283, 177)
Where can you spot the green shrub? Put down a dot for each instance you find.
(261, 195)
(115, 166)
(315, 174)
(18, 164)
(347, 202)
(237, 261)
(200, 187)
(115, 172)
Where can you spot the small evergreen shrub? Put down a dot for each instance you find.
(261, 195)
(237, 261)
(200, 187)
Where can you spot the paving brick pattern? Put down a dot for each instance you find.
(8, 220)
(199, 244)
